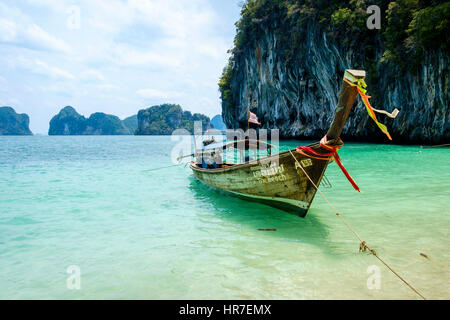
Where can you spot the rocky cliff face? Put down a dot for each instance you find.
(12, 123)
(69, 122)
(165, 118)
(131, 123)
(299, 95)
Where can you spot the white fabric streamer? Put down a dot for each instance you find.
(392, 115)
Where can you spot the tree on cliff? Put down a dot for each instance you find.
(289, 57)
(12, 123)
(69, 122)
(165, 118)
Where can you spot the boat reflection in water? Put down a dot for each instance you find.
(255, 216)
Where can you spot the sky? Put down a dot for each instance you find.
(113, 56)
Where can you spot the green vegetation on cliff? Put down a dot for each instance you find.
(165, 118)
(105, 124)
(409, 28)
(131, 123)
(12, 123)
(69, 122)
(289, 57)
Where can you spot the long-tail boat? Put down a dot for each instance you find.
(291, 184)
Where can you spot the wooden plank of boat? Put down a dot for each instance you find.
(283, 184)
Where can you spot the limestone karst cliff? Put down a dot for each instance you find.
(12, 123)
(165, 118)
(217, 122)
(289, 58)
(69, 122)
(131, 123)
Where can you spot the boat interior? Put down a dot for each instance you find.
(210, 156)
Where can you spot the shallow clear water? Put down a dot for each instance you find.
(138, 234)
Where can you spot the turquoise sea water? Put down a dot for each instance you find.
(139, 234)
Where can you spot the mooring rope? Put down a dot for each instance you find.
(363, 246)
(436, 146)
(174, 165)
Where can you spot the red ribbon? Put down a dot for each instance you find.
(333, 152)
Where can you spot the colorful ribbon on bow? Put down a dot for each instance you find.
(360, 85)
(327, 155)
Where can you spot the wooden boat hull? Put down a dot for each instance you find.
(282, 185)
(291, 183)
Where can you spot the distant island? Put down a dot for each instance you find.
(217, 123)
(165, 118)
(156, 120)
(12, 123)
(69, 122)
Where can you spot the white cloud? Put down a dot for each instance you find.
(157, 94)
(40, 67)
(18, 29)
(125, 54)
(36, 37)
(3, 82)
(92, 74)
(45, 69)
(8, 30)
(9, 101)
(61, 89)
(206, 101)
(108, 87)
(176, 18)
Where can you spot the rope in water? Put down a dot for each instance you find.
(175, 165)
(363, 245)
(437, 146)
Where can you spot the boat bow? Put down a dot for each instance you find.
(288, 180)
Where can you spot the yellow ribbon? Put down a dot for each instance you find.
(360, 85)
